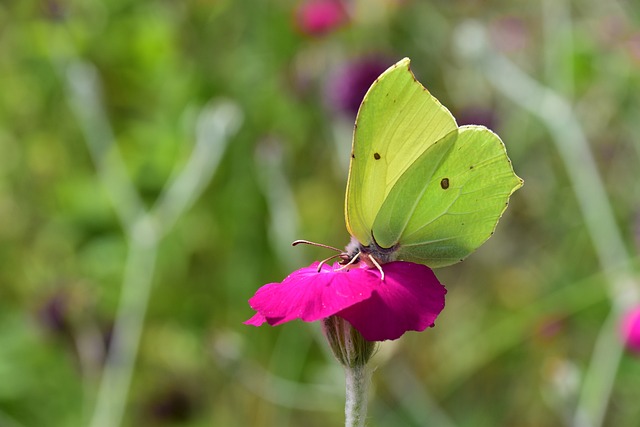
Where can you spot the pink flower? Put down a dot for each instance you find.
(318, 17)
(409, 299)
(630, 329)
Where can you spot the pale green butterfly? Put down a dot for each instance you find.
(421, 188)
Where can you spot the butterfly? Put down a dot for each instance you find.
(421, 188)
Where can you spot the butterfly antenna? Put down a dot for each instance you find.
(373, 260)
(307, 242)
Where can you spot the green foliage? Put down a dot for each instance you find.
(522, 314)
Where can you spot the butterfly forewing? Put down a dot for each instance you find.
(397, 122)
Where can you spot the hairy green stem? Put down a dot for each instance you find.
(353, 352)
(357, 383)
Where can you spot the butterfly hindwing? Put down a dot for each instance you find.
(449, 201)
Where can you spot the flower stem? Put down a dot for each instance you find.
(353, 352)
(357, 383)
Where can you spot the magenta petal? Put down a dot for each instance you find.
(257, 320)
(630, 329)
(310, 295)
(409, 299)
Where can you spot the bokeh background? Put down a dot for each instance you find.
(158, 157)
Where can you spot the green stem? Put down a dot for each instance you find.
(357, 383)
(353, 352)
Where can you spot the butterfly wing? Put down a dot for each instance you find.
(449, 201)
(397, 122)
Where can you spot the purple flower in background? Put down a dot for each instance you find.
(408, 299)
(54, 314)
(347, 88)
(318, 17)
(633, 46)
(54, 10)
(174, 404)
(476, 115)
(509, 34)
(630, 330)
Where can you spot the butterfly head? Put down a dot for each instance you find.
(372, 250)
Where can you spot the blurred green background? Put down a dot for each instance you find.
(525, 316)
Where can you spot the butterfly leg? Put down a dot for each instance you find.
(378, 266)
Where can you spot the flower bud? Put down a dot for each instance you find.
(346, 343)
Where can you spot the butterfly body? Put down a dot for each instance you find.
(380, 254)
